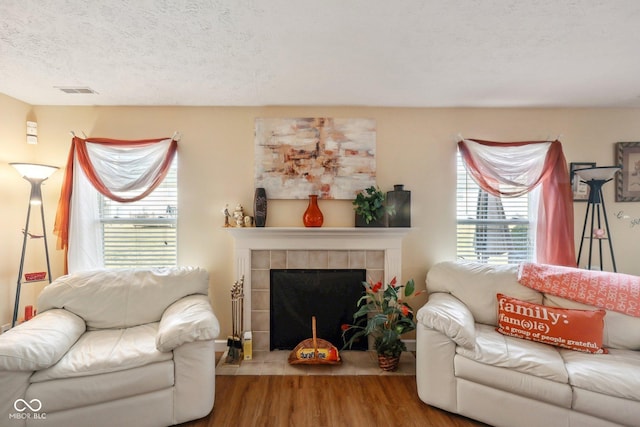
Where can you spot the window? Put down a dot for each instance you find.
(491, 229)
(142, 233)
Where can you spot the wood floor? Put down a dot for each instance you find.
(323, 401)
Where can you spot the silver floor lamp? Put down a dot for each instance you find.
(35, 174)
(595, 178)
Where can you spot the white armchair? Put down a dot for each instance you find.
(126, 347)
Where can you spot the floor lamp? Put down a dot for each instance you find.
(35, 174)
(595, 178)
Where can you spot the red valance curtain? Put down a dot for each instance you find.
(522, 166)
(100, 173)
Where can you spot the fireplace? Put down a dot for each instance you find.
(259, 250)
(296, 295)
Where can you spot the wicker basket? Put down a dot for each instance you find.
(388, 363)
(318, 345)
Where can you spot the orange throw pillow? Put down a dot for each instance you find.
(573, 329)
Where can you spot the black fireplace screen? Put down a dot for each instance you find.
(297, 295)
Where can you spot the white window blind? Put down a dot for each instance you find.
(490, 229)
(142, 233)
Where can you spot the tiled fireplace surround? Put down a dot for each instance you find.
(257, 250)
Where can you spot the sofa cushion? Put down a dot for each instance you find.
(477, 285)
(573, 329)
(524, 356)
(67, 393)
(512, 381)
(613, 374)
(107, 350)
(122, 298)
(40, 342)
(620, 330)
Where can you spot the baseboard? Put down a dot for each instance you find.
(411, 345)
(221, 345)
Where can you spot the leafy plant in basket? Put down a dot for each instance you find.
(369, 205)
(384, 314)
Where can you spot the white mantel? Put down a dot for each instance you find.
(322, 237)
(319, 238)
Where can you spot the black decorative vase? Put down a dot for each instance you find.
(401, 199)
(260, 207)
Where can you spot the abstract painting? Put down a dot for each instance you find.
(334, 158)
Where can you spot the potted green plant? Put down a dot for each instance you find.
(385, 315)
(370, 208)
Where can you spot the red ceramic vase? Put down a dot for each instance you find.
(313, 215)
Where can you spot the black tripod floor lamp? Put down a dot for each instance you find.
(595, 178)
(35, 174)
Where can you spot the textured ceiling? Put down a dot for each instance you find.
(417, 53)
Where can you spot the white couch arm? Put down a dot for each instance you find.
(41, 342)
(187, 320)
(449, 316)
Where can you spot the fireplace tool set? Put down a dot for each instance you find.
(234, 342)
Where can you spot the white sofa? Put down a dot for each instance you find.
(112, 348)
(465, 366)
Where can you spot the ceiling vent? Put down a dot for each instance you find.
(70, 89)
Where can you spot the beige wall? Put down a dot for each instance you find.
(415, 147)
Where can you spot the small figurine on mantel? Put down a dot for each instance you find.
(238, 214)
(226, 214)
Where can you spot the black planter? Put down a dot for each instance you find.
(380, 222)
(401, 200)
